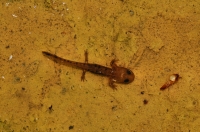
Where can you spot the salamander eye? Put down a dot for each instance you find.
(128, 72)
(126, 80)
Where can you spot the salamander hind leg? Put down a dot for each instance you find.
(86, 56)
(86, 61)
(83, 75)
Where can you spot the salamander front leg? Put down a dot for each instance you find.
(113, 63)
(86, 61)
(111, 84)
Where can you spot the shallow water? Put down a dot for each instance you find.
(155, 39)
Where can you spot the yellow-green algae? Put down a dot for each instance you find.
(153, 38)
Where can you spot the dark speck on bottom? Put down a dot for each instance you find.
(71, 127)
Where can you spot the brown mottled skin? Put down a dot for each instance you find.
(116, 74)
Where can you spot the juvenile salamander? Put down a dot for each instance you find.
(116, 74)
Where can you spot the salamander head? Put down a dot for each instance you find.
(123, 75)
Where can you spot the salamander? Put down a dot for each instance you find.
(116, 74)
